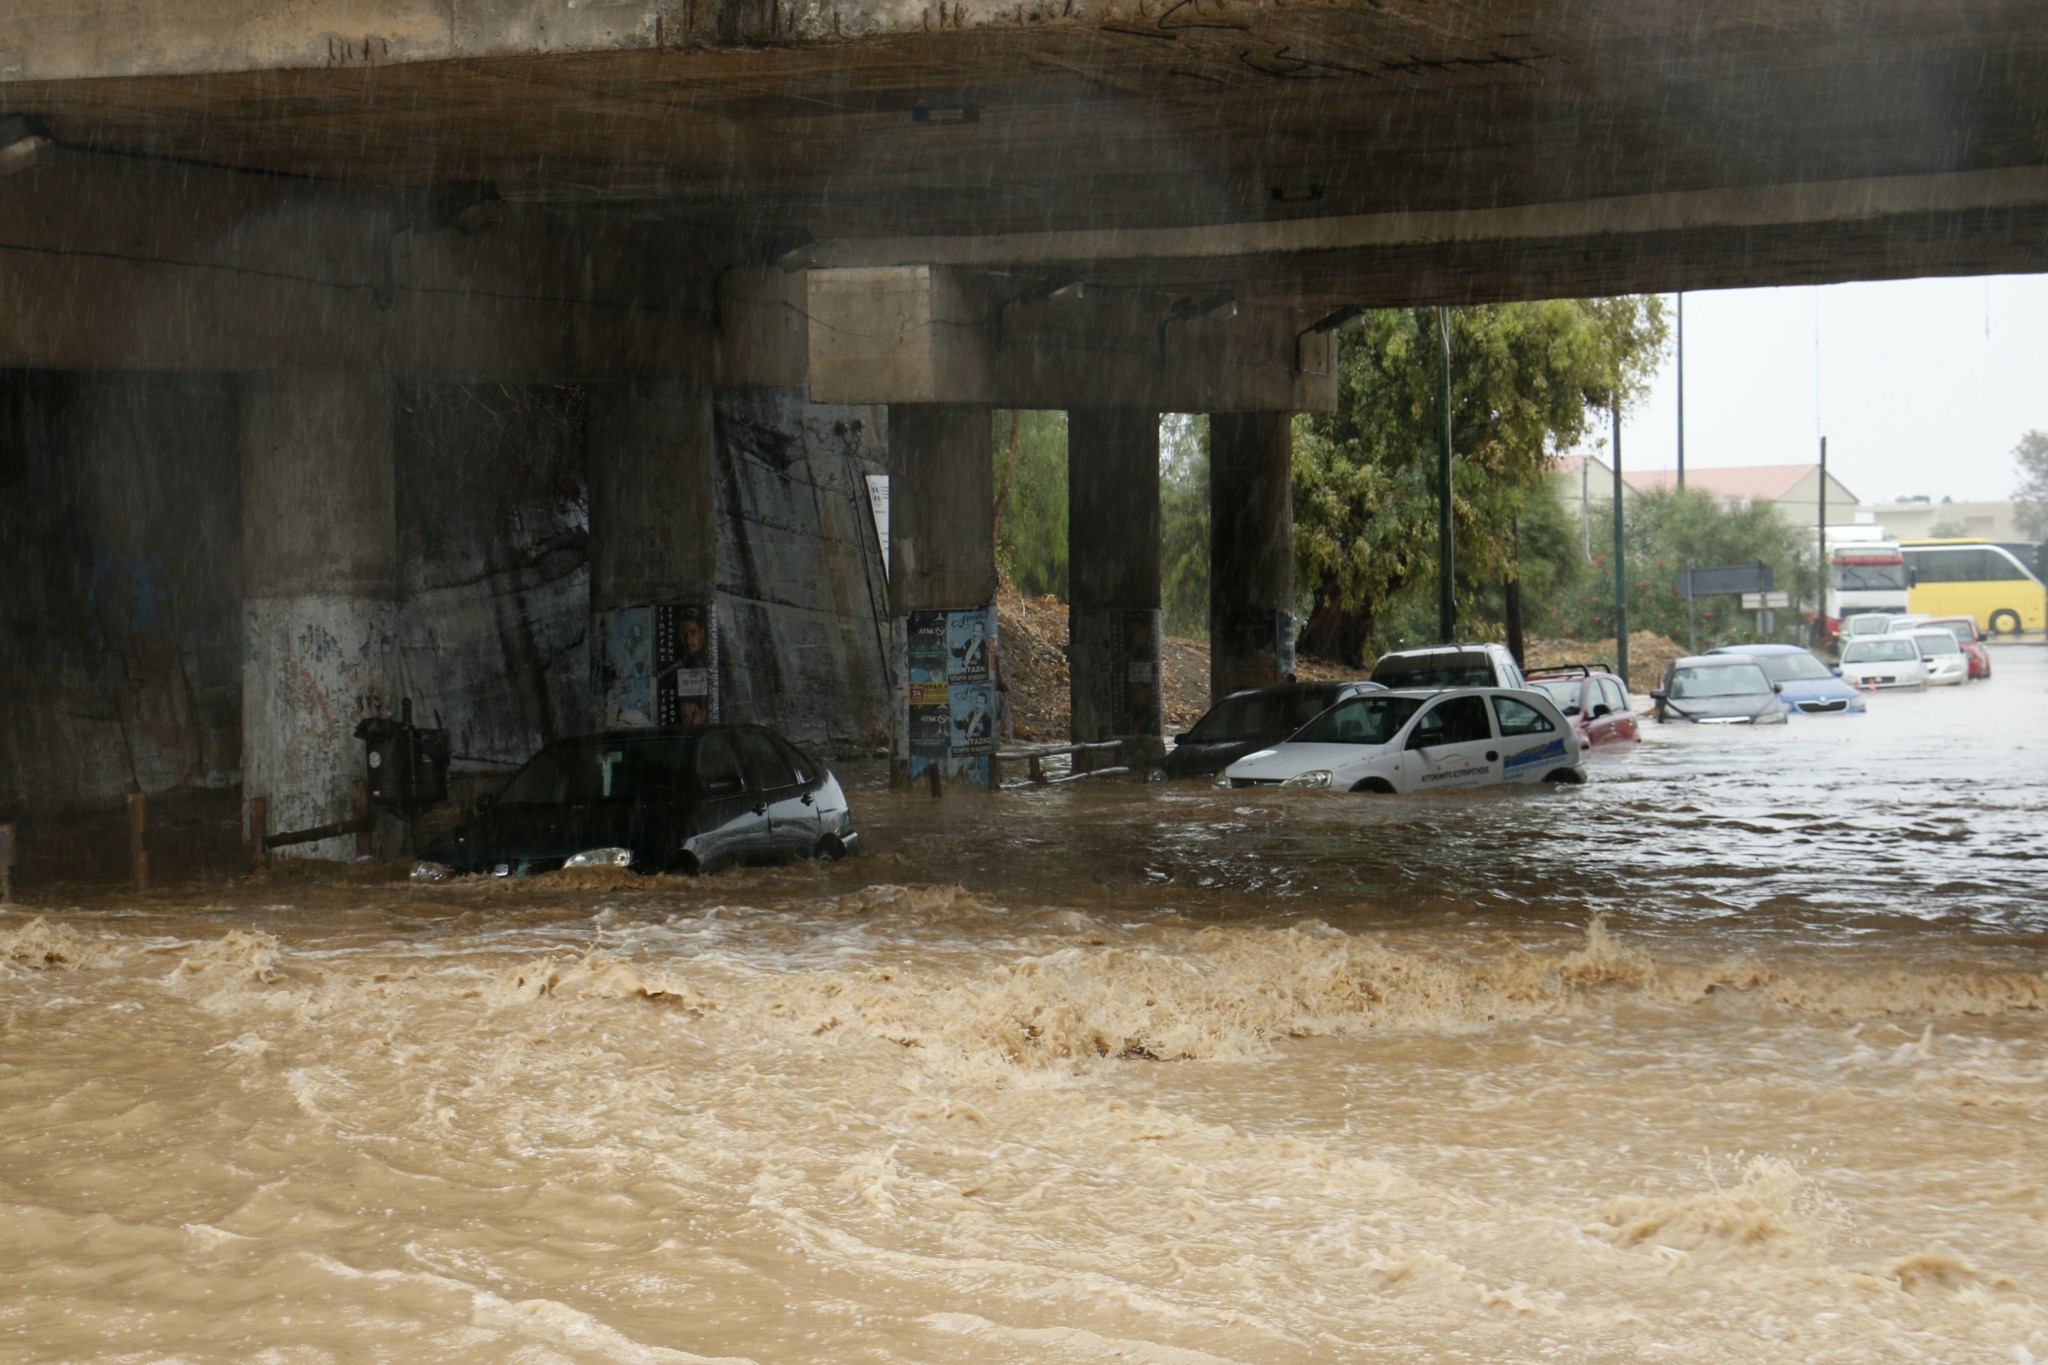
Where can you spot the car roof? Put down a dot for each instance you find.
(1753, 650)
(1422, 651)
(1715, 660)
(1311, 685)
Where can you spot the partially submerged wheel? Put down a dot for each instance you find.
(1378, 786)
(829, 849)
(1569, 777)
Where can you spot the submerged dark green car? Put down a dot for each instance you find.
(694, 799)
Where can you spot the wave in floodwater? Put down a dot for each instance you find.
(592, 1120)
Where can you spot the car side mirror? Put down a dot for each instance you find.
(725, 786)
(1836, 670)
(1660, 695)
(1777, 687)
(1603, 709)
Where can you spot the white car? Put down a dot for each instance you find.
(1882, 661)
(1947, 665)
(1406, 741)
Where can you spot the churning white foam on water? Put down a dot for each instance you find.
(907, 1122)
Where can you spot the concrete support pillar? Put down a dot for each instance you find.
(319, 592)
(653, 554)
(1113, 578)
(942, 591)
(1251, 550)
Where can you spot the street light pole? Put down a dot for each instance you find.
(1446, 560)
(1681, 390)
(1620, 563)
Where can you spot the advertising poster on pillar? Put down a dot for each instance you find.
(950, 678)
(1134, 700)
(658, 666)
(686, 664)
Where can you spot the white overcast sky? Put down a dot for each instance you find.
(1921, 386)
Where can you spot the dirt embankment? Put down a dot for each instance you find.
(1034, 636)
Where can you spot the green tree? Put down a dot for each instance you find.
(2030, 499)
(1031, 500)
(1665, 533)
(1527, 379)
(1184, 523)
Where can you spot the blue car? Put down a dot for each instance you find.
(1807, 686)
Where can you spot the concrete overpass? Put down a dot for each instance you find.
(307, 277)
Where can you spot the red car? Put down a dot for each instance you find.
(1964, 628)
(1593, 700)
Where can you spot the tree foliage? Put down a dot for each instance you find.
(1527, 379)
(1184, 523)
(1664, 533)
(2030, 499)
(1031, 500)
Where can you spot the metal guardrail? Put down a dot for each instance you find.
(1034, 756)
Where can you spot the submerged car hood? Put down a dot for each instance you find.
(1810, 695)
(1761, 707)
(1283, 761)
(1201, 757)
(527, 834)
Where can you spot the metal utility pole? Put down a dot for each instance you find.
(1820, 626)
(1681, 390)
(1446, 561)
(1620, 562)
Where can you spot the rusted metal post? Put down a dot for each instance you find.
(7, 845)
(138, 843)
(932, 772)
(366, 837)
(1037, 770)
(259, 826)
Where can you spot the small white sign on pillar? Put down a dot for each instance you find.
(878, 503)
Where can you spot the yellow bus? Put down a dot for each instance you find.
(1975, 578)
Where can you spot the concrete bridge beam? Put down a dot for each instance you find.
(319, 592)
(1113, 576)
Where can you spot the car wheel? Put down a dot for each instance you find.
(1378, 786)
(2005, 623)
(829, 850)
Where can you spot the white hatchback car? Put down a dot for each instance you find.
(1947, 665)
(1405, 741)
(1882, 661)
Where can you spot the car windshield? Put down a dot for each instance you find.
(1891, 650)
(1360, 720)
(1440, 670)
(1937, 641)
(1964, 631)
(1563, 691)
(1259, 715)
(1873, 623)
(585, 770)
(1718, 680)
(1798, 667)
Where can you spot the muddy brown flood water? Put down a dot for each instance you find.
(1736, 1053)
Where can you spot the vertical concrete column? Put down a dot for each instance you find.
(319, 591)
(1113, 617)
(942, 592)
(653, 554)
(1251, 550)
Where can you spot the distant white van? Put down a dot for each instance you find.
(1449, 666)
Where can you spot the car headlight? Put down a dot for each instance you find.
(424, 871)
(601, 857)
(1314, 777)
